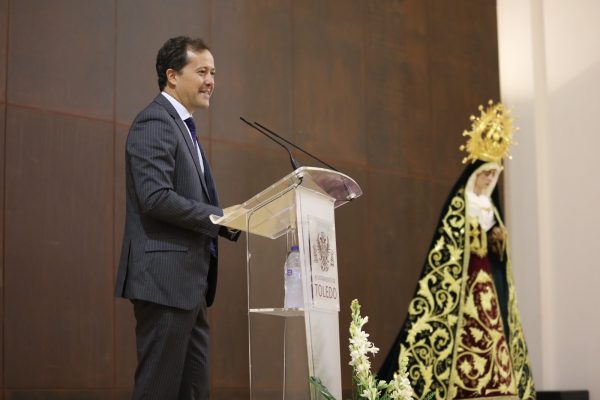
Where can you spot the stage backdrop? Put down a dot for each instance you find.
(381, 89)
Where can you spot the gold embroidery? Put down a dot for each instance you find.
(477, 238)
(433, 311)
(483, 362)
(433, 316)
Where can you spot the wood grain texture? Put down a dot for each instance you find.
(58, 254)
(62, 56)
(382, 90)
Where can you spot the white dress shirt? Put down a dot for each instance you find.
(184, 114)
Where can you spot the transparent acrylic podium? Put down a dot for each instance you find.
(288, 345)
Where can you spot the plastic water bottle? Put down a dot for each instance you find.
(293, 280)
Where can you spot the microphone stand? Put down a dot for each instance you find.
(272, 135)
(295, 164)
(295, 146)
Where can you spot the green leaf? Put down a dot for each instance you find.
(316, 382)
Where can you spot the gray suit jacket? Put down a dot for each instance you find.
(165, 255)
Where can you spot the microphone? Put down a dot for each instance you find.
(295, 146)
(295, 164)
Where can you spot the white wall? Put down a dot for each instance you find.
(550, 74)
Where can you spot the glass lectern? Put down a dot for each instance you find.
(287, 345)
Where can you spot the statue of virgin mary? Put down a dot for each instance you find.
(463, 332)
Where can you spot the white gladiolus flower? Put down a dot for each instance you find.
(360, 348)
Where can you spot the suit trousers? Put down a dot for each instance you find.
(172, 351)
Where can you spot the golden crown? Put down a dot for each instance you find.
(490, 135)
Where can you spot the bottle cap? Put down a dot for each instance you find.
(295, 248)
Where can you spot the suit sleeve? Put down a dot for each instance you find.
(230, 234)
(151, 150)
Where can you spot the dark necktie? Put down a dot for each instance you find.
(210, 184)
(192, 127)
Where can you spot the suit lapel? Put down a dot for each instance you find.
(210, 183)
(160, 99)
(192, 149)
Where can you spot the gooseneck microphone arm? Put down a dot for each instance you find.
(295, 146)
(292, 159)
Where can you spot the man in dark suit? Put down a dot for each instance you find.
(168, 265)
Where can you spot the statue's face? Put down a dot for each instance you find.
(483, 180)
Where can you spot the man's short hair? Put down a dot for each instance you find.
(173, 55)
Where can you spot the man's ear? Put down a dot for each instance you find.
(171, 76)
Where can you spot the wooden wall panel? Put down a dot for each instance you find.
(124, 321)
(59, 395)
(399, 238)
(142, 28)
(3, 51)
(463, 71)
(62, 56)
(3, 47)
(397, 91)
(58, 256)
(252, 43)
(2, 167)
(382, 90)
(329, 79)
